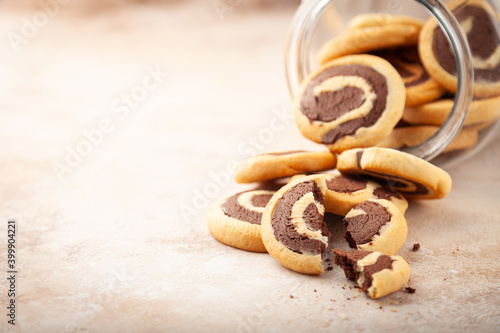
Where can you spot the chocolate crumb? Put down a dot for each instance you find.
(291, 296)
(381, 307)
(327, 259)
(410, 290)
(329, 268)
(416, 247)
(348, 299)
(315, 291)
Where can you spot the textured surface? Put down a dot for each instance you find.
(120, 244)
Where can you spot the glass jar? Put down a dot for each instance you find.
(317, 21)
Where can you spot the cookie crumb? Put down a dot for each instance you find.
(410, 290)
(394, 310)
(416, 247)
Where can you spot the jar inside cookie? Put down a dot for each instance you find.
(437, 48)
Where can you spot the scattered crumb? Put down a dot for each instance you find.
(445, 279)
(327, 259)
(329, 268)
(458, 249)
(416, 247)
(393, 303)
(453, 252)
(342, 316)
(291, 296)
(381, 307)
(315, 291)
(410, 290)
(343, 287)
(394, 310)
(348, 299)
(355, 296)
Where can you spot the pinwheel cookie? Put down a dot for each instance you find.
(344, 192)
(377, 274)
(435, 113)
(236, 220)
(409, 175)
(368, 35)
(353, 101)
(282, 164)
(376, 225)
(293, 230)
(420, 86)
(479, 22)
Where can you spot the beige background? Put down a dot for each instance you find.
(118, 241)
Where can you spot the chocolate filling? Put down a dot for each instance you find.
(284, 230)
(362, 228)
(329, 106)
(232, 208)
(348, 261)
(383, 193)
(483, 40)
(394, 183)
(261, 200)
(346, 184)
(383, 262)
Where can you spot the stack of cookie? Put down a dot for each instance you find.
(357, 105)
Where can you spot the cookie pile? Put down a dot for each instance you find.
(357, 106)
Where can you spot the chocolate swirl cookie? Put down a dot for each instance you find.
(282, 164)
(409, 175)
(435, 113)
(420, 86)
(293, 230)
(376, 225)
(354, 101)
(235, 221)
(369, 38)
(377, 274)
(479, 22)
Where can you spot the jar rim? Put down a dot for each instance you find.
(297, 66)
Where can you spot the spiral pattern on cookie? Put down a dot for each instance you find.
(364, 222)
(407, 62)
(479, 24)
(396, 183)
(344, 98)
(297, 220)
(247, 206)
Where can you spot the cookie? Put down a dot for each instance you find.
(436, 113)
(377, 274)
(353, 101)
(410, 136)
(420, 86)
(376, 225)
(368, 39)
(283, 164)
(409, 175)
(380, 19)
(293, 230)
(344, 192)
(235, 221)
(479, 22)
